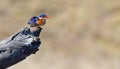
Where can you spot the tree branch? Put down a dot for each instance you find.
(17, 47)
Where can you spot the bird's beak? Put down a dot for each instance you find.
(48, 17)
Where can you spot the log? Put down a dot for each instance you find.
(17, 47)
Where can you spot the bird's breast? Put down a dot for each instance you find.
(41, 22)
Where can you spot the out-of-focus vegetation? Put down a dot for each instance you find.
(82, 34)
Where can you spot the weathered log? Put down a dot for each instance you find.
(17, 47)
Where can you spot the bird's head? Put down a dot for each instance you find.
(43, 15)
(42, 19)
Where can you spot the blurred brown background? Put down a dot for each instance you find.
(82, 34)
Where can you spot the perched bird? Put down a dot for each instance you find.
(38, 21)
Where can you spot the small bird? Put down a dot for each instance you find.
(38, 21)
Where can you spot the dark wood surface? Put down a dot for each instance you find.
(17, 47)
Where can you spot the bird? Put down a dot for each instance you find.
(38, 21)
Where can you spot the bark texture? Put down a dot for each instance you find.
(17, 47)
